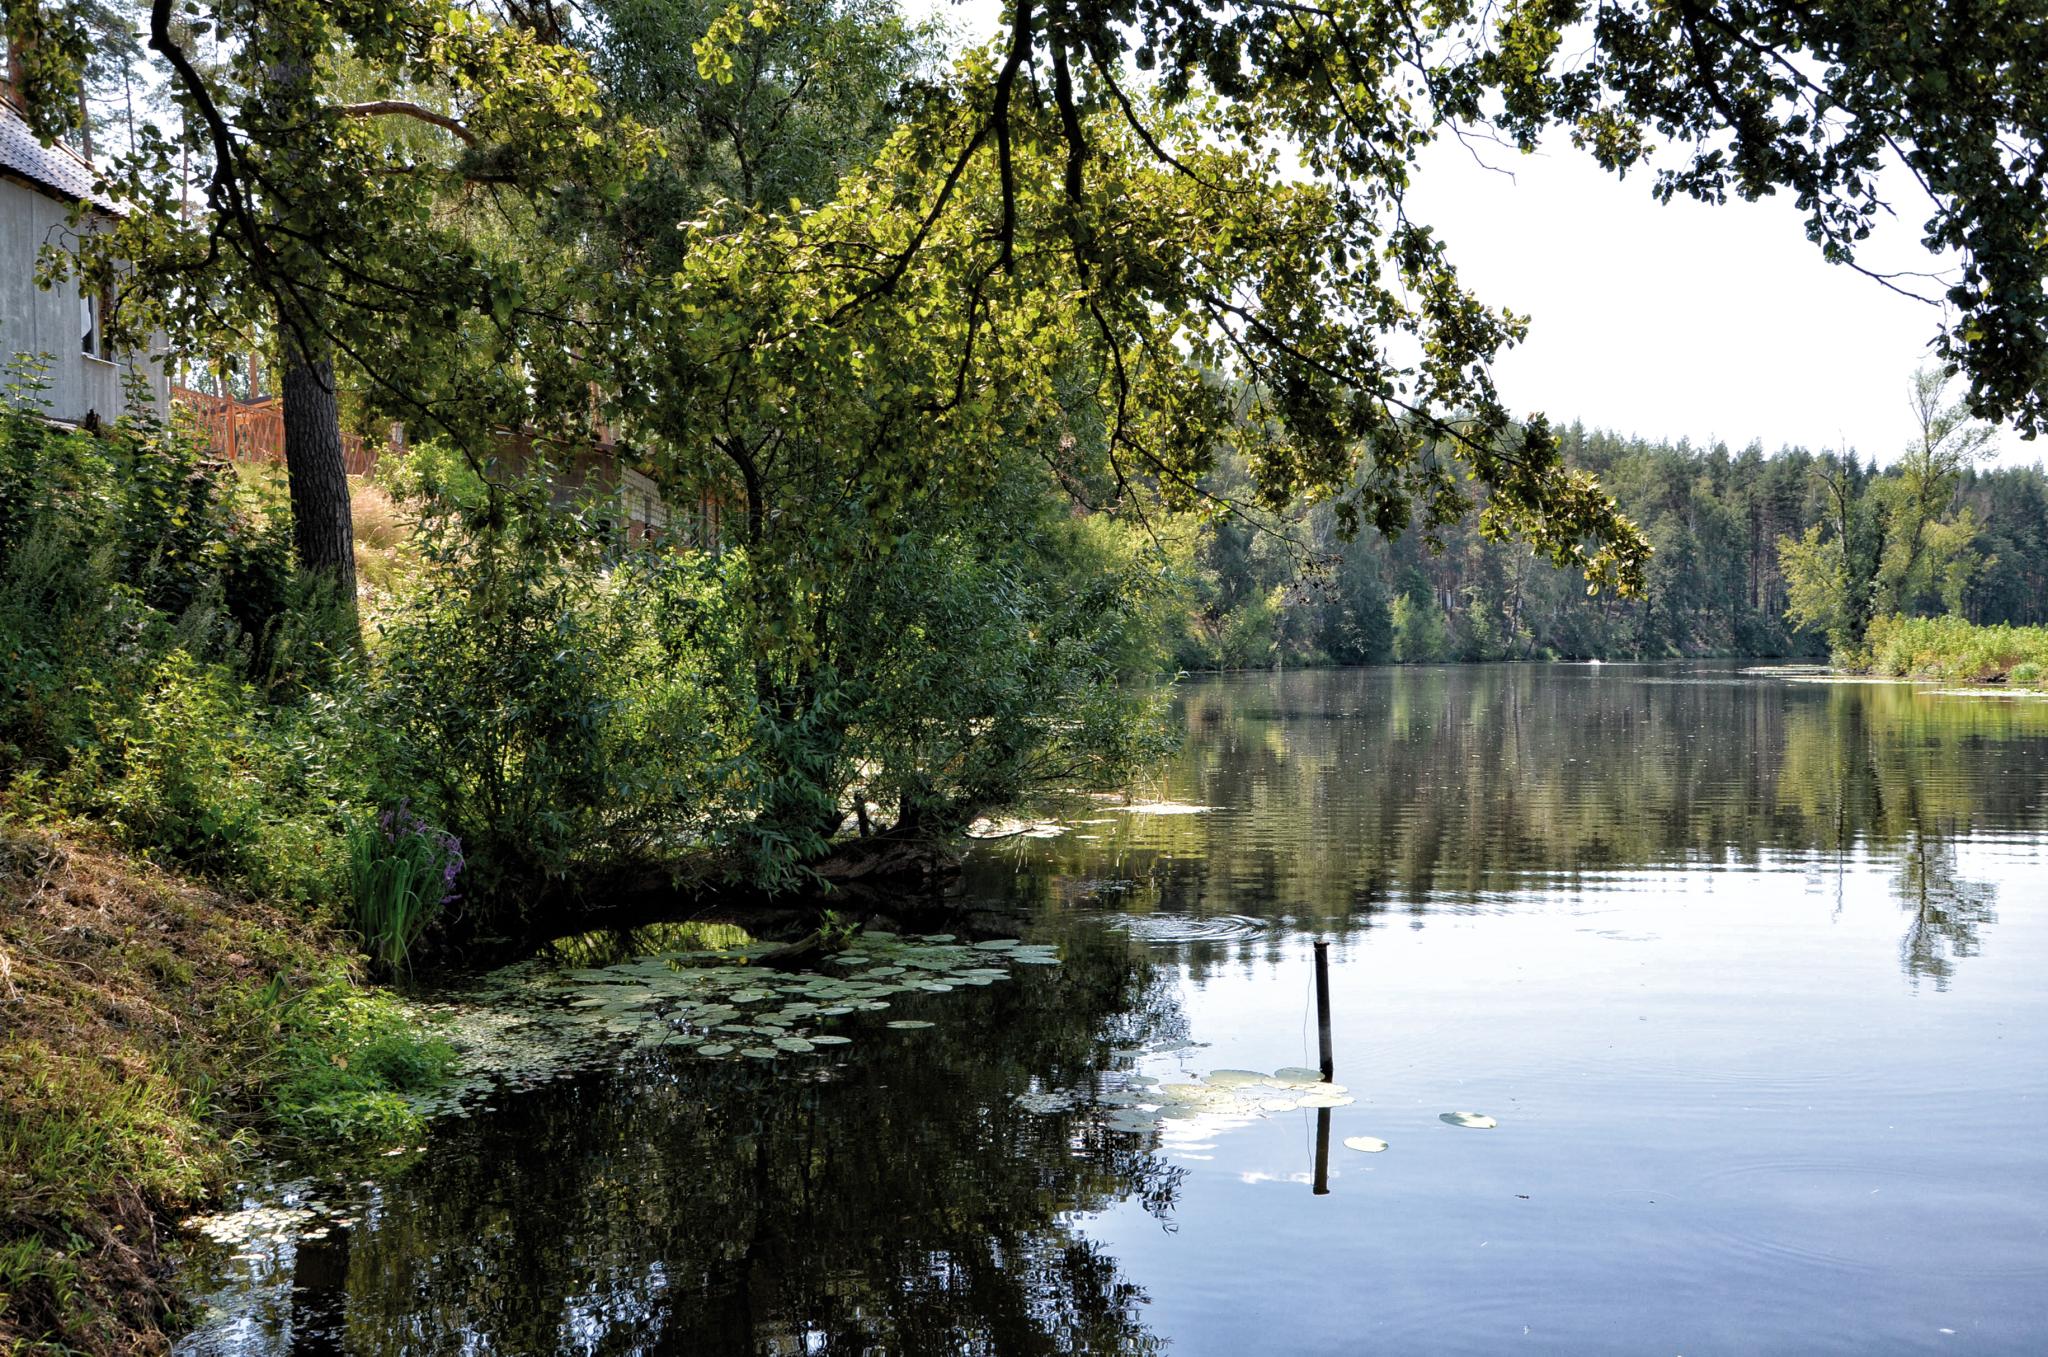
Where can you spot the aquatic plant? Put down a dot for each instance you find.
(402, 872)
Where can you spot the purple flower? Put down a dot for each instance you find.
(399, 823)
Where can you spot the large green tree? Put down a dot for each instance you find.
(348, 151)
(1896, 544)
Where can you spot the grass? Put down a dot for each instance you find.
(383, 536)
(1952, 650)
(149, 1026)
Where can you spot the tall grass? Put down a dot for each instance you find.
(402, 872)
(1952, 649)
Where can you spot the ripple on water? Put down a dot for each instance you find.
(1167, 929)
(1861, 1217)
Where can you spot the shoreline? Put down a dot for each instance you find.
(158, 1031)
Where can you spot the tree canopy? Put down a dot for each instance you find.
(1209, 206)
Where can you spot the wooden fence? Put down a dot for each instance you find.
(253, 431)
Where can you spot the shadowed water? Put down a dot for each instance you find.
(1747, 970)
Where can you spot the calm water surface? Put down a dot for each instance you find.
(1752, 973)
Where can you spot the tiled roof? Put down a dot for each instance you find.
(55, 168)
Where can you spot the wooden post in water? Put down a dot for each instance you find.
(1322, 1183)
(1323, 1008)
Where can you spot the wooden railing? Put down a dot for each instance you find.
(253, 431)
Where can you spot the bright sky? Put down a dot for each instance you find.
(1682, 320)
(1679, 321)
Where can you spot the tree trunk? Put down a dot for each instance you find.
(322, 531)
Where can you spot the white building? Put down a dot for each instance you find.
(39, 187)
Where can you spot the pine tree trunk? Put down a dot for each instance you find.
(322, 531)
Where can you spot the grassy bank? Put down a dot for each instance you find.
(1953, 650)
(148, 1026)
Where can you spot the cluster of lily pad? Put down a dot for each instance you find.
(267, 1217)
(531, 1023)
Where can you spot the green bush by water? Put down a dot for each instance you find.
(1954, 650)
(344, 1059)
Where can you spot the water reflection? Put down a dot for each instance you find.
(1947, 911)
(905, 1202)
(1342, 798)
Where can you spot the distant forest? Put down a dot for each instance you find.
(1716, 585)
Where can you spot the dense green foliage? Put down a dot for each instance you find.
(152, 653)
(1953, 649)
(542, 703)
(1721, 583)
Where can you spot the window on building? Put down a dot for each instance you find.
(92, 324)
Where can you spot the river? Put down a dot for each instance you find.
(1747, 972)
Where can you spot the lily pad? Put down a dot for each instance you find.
(797, 1045)
(1235, 1078)
(1365, 1144)
(759, 1052)
(1477, 1121)
(1325, 1100)
(828, 1039)
(908, 1024)
(1290, 1074)
(715, 1048)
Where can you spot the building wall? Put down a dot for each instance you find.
(33, 320)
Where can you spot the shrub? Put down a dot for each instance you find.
(971, 667)
(344, 1059)
(1952, 649)
(547, 697)
(152, 619)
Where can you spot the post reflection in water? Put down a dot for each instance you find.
(1739, 976)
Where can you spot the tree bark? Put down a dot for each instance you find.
(323, 532)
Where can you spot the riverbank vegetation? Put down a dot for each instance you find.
(985, 385)
(150, 1023)
(1954, 650)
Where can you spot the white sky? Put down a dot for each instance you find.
(1672, 321)
(1683, 319)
